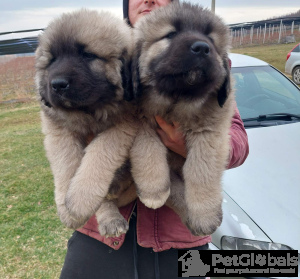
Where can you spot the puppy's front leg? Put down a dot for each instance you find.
(103, 156)
(64, 152)
(202, 173)
(150, 168)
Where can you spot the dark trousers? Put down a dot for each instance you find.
(88, 258)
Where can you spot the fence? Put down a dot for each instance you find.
(266, 33)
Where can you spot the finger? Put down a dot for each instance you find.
(163, 136)
(177, 147)
(169, 129)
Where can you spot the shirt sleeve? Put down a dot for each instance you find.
(238, 141)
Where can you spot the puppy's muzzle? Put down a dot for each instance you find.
(200, 48)
(60, 85)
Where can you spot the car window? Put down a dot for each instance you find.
(296, 49)
(270, 81)
(263, 90)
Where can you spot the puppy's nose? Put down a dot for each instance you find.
(60, 84)
(200, 48)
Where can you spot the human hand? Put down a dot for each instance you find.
(171, 136)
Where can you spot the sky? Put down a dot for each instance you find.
(32, 14)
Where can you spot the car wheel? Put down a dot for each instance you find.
(296, 75)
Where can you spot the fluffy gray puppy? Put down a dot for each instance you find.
(181, 73)
(83, 81)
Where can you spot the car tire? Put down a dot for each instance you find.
(296, 75)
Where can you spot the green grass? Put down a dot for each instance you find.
(273, 54)
(32, 239)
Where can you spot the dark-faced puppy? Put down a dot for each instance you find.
(83, 81)
(181, 73)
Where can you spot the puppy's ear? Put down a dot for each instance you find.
(126, 77)
(136, 83)
(226, 86)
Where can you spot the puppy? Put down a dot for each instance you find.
(181, 73)
(84, 84)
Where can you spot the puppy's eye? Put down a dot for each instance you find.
(171, 35)
(89, 55)
(53, 59)
(211, 39)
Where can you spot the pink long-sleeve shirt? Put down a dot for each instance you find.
(162, 229)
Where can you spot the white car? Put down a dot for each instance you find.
(292, 64)
(261, 205)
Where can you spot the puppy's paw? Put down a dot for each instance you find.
(202, 224)
(113, 227)
(154, 200)
(68, 220)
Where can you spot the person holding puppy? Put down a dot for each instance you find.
(149, 249)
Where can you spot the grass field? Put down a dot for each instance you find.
(16, 78)
(32, 239)
(273, 54)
